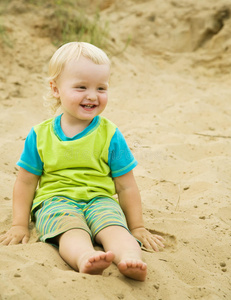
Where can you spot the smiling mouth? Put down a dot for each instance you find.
(89, 106)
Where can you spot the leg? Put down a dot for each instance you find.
(126, 249)
(75, 245)
(76, 248)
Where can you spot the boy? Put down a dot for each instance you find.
(80, 160)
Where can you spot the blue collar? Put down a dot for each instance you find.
(61, 136)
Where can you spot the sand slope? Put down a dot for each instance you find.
(170, 96)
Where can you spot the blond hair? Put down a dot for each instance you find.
(66, 53)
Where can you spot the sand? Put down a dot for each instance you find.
(170, 95)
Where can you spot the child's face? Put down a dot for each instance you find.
(82, 88)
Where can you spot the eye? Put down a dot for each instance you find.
(101, 89)
(80, 88)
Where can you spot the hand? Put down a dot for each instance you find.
(16, 234)
(150, 241)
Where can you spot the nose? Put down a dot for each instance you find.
(92, 96)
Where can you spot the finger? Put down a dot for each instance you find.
(154, 245)
(6, 241)
(2, 237)
(153, 242)
(158, 242)
(159, 237)
(15, 240)
(25, 240)
(150, 244)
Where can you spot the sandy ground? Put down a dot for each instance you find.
(170, 96)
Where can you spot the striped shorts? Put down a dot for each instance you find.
(58, 215)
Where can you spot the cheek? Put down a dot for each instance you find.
(70, 96)
(104, 99)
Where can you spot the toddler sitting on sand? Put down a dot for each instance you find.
(80, 160)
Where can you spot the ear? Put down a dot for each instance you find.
(54, 89)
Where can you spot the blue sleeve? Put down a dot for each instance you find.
(120, 157)
(30, 159)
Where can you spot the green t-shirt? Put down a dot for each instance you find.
(79, 168)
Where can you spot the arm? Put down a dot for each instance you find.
(23, 195)
(130, 202)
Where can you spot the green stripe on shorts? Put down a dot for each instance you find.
(58, 215)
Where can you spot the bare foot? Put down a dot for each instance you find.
(133, 268)
(95, 262)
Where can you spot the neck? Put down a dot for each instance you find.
(71, 127)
